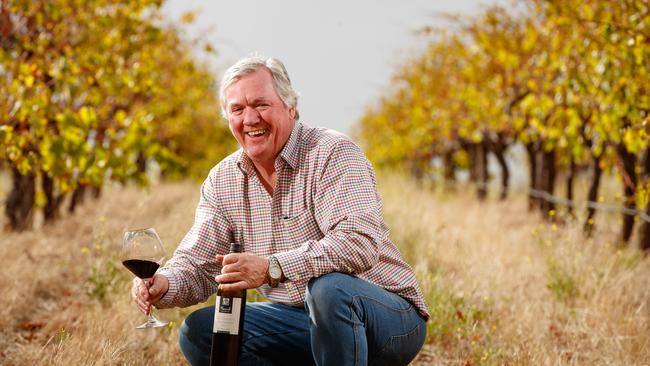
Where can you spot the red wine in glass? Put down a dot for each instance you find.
(141, 268)
(142, 254)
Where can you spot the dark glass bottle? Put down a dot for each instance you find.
(228, 325)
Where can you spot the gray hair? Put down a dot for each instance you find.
(245, 66)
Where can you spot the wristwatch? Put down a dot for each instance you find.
(275, 272)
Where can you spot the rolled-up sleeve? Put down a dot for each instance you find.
(192, 268)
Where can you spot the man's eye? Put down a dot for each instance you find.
(236, 110)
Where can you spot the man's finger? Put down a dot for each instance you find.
(134, 292)
(228, 277)
(227, 269)
(230, 258)
(144, 292)
(156, 288)
(142, 305)
(230, 288)
(135, 287)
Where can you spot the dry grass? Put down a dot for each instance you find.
(503, 287)
(507, 288)
(66, 296)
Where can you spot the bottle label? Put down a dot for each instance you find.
(226, 315)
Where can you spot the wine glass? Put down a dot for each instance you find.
(142, 254)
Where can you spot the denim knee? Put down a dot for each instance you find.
(185, 333)
(193, 346)
(184, 341)
(187, 346)
(325, 294)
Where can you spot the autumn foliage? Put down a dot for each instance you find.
(94, 91)
(568, 80)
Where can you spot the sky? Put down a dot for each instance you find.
(340, 55)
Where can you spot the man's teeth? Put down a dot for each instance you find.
(256, 133)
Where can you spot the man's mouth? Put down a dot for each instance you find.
(257, 133)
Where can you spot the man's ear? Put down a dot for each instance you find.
(292, 112)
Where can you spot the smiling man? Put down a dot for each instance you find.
(303, 203)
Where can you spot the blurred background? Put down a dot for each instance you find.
(511, 139)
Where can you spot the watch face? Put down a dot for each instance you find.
(274, 272)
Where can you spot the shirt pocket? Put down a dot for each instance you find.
(299, 227)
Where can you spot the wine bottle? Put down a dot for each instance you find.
(227, 331)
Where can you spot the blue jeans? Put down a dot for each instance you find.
(346, 321)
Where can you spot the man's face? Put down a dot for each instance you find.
(258, 119)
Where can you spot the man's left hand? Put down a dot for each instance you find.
(241, 271)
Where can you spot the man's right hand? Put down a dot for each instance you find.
(145, 296)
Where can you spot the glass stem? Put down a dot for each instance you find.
(148, 282)
(151, 319)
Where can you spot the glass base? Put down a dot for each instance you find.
(152, 322)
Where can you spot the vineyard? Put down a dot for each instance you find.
(568, 80)
(100, 91)
(503, 288)
(97, 91)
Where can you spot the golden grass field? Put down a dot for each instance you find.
(504, 287)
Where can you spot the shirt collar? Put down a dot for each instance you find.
(243, 162)
(289, 153)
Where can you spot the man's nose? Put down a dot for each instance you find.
(251, 115)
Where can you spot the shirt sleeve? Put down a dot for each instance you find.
(347, 208)
(192, 268)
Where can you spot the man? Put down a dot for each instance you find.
(303, 203)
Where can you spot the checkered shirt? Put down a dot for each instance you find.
(324, 216)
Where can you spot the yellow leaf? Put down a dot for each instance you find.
(588, 12)
(87, 116)
(29, 80)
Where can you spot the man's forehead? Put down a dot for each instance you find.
(261, 75)
(257, 88)
(251, 100)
